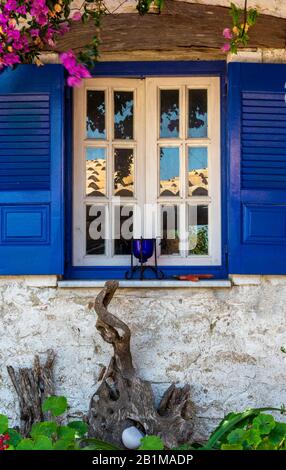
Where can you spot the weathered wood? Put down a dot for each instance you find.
(180, 27)
(123, 399)
(33, 386)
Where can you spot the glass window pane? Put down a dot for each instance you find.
(95, 230)
(169, 171)
(95, 119)
(123, 229)
(170, 234)
(198, 230)
(123, 114)
(169, 113)
(198, 114)
(124, 172)
(95, 171)
(198, 171)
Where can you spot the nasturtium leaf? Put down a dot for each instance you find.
(236, 436)
(65, 432)
(278, 434)
(231, 447)
(15, 437)
(252, 437)
(43, 443)
(46, 428)
(56, 405)
(264, 423)
(151, 443)
(3, 424)
(265, 445)
(25, 444)
(63, 444)
(80, 427)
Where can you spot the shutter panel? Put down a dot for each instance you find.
(31, 170)
(257, 145)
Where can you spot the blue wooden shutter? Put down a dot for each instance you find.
(257, 148)
(31, 170)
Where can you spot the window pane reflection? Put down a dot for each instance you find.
(169, 113)
(123, 172)
(169, 171)
(198, 171)
(170, 234)
(123, 229)
(95, 230)
(198, 230)
(198, 114)
(95, 120)
(95, 171)
(123, 114)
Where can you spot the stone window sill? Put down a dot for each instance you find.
(153, 284)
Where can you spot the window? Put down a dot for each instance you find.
(147, 163)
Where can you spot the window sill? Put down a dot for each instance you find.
(153, 284)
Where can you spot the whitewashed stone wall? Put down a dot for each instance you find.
(224, 342)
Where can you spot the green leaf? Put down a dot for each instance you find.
(63, 444)
(56, 405)
(3, 424)
(264, 423)
(231, 447)
(266, 445)
(80, 427)
(236, 436)
(97, 444)
(15, 437)
(47, 428)
(65, 432)
(278, 435)
(25, 444)
(151, 443)
(252, 437)
(43, 443)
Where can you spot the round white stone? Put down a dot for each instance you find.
(131, 437)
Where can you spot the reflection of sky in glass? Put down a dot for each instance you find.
(201, 131)
(169, 114)
(95, 120)
(197, 158)
(95, 153)
(123, 114)
(127, 111)
(169, 163)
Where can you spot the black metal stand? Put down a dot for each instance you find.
(143, 267)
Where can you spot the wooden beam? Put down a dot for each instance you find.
(180, 28)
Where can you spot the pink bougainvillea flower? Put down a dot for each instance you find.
(11, 59)
(227, 34)
(11, 5)
(76, 16)
(226, 47)
(34, 33)
(73, 81)
(76, 71)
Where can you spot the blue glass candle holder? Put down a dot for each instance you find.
(143, 249)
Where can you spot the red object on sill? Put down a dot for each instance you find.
(193, 277)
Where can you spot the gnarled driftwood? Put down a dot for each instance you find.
(123, 399)
(33, 386)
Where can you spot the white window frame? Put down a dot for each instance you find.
(146, 142)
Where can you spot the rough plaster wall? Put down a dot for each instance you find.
(224, 342)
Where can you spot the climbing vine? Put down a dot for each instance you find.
(238, 34)
(30, 27)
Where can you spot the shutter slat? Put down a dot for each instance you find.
(257, 192)
(18, 144)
